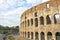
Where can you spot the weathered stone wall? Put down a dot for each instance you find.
(42, 10)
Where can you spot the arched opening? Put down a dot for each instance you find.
(28, 22)
(31, 22)
(25, 23)
(47, 5)
(58, 36)
(36, 22)
(55, 21)
(49, 36)
(28, 34)
(42, 36)
(56, 18)
(35, 14)
(31, 35)
(42, 20)
(36, 36)
(48, 19)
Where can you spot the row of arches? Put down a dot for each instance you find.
(42, 35)
(41, 21)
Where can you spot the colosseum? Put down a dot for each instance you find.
(41, 22)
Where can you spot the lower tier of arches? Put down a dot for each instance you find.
(41, 36)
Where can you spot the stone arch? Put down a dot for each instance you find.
(48, 19)
(42, 36)
(36, 36)
(35, 14)
(56, 18)
(31, 22)
(28, 22)
(49, 36)
(25, 23)
(36, 22)
(22, 24)
(58, 36)
(31, 35)
(28, 34)
(42, 20)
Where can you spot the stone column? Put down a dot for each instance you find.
(52, 19)
(39, 22)
(44, 20)
(30, 35)
(33, 35)
(45, 36)
(53, 37)
(39, 36)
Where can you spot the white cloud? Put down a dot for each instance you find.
(16, 11)
(11, 18)
(11, 10)
(1, 1)
(34, 2)
(31, 1)
(11, 2)
(45, 1)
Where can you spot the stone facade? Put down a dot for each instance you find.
(40, 22)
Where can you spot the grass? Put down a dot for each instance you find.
(11, 38)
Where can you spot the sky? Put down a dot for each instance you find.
(11, 10)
